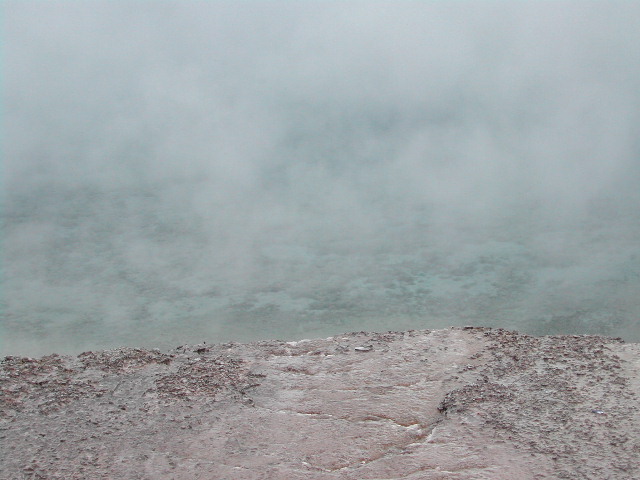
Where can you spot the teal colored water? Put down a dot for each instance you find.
(180, 172)
(96, 270)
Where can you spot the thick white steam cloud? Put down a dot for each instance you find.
(177, 171)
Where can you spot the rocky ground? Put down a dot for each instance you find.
(462, 403)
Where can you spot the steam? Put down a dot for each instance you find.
(180, 171)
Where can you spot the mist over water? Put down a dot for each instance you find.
(180, 172)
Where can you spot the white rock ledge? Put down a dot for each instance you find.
(462, 403)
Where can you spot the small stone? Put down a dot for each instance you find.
(364, 348)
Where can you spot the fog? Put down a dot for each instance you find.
(181, 172)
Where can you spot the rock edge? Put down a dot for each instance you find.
(459, 403)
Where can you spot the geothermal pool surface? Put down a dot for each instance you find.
(192, 172)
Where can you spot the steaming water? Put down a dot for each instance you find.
(425, 166)
(90, 269)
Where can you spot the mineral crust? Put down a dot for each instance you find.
(462, 403)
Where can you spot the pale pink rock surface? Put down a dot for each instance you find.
(463, 403)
